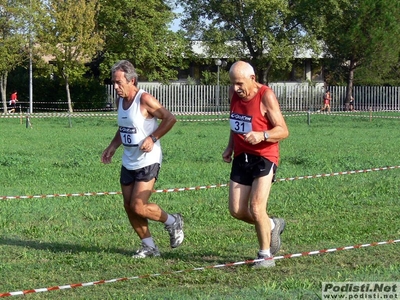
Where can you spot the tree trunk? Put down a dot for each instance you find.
(350, 80)
(68, 93)
(3, 90)
(262, 74)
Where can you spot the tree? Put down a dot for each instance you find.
(69, 33)
(140, 33)
(265, 32)
(12, 42)
(358, 34)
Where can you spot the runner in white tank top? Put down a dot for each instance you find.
(139, 133)
(134, 128)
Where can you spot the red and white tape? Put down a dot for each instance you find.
(197, 187)
(75, 285)
(114, 114)
(80, 113)
(57, 115)
(362, 114)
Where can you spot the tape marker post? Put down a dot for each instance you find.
(197, 187)
(75, 285)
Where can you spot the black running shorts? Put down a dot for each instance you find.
(247, 167)
(144, 174)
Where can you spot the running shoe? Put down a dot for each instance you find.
(176, 231)
(276, 235)
(268, 262)
(146, 251)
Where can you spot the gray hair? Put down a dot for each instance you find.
(126, 67)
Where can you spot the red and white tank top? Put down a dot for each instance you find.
(245, 116)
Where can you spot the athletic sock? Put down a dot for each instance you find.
(149, 242)
(170, 220)
(264, 252)
(272, 224)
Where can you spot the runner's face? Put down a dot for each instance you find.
(121, 85)
(242, 85)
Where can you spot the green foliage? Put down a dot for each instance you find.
(48, 242)
(13, 39)
(191, 81)
(210, 78)
(265, 32)
(140, 34)
(357, 34)
(368, 77)
(88, 94)
(85, 92)
(68, 32)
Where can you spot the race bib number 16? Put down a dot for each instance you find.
(240, 123)
(128, 136)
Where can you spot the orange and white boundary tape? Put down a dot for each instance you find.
(232, 264)
(198, 187)
(361, 114)
(57, 115)
(113, 113)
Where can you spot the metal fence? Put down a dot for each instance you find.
(186, 99)
(181, 99)
(376, 98)
(212, 99)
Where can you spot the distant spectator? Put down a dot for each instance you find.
(351, 103)
(13, 102)
(327, 101)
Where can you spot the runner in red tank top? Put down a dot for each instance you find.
(257, 126)
(327, 101)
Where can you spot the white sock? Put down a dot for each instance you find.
(265, 252)
(149, 242)
(170, 220)
(272, 224)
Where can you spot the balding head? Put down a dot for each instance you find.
(241, 69)
(243, 79)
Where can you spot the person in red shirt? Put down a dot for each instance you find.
(13, 102)
(257, 126)
(327, 101)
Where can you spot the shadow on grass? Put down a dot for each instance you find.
(59, 247)
(170, 254)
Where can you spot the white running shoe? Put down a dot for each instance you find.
(266, 263)
(146, 251)
(176, 231)
(276, 235)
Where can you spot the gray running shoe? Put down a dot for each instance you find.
(266, 263)
(146, 251)
(276, 235)
(176, 231)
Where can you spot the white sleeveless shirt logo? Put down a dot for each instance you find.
(134, 128)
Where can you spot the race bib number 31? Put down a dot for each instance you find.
(240, 123)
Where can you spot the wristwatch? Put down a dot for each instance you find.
(153, 138)
(266, 136)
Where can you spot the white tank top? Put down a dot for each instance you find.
(134, 128)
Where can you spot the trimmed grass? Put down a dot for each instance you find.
(59, 241)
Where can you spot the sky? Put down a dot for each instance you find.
(175, 25)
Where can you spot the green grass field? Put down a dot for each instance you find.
(65, 240)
